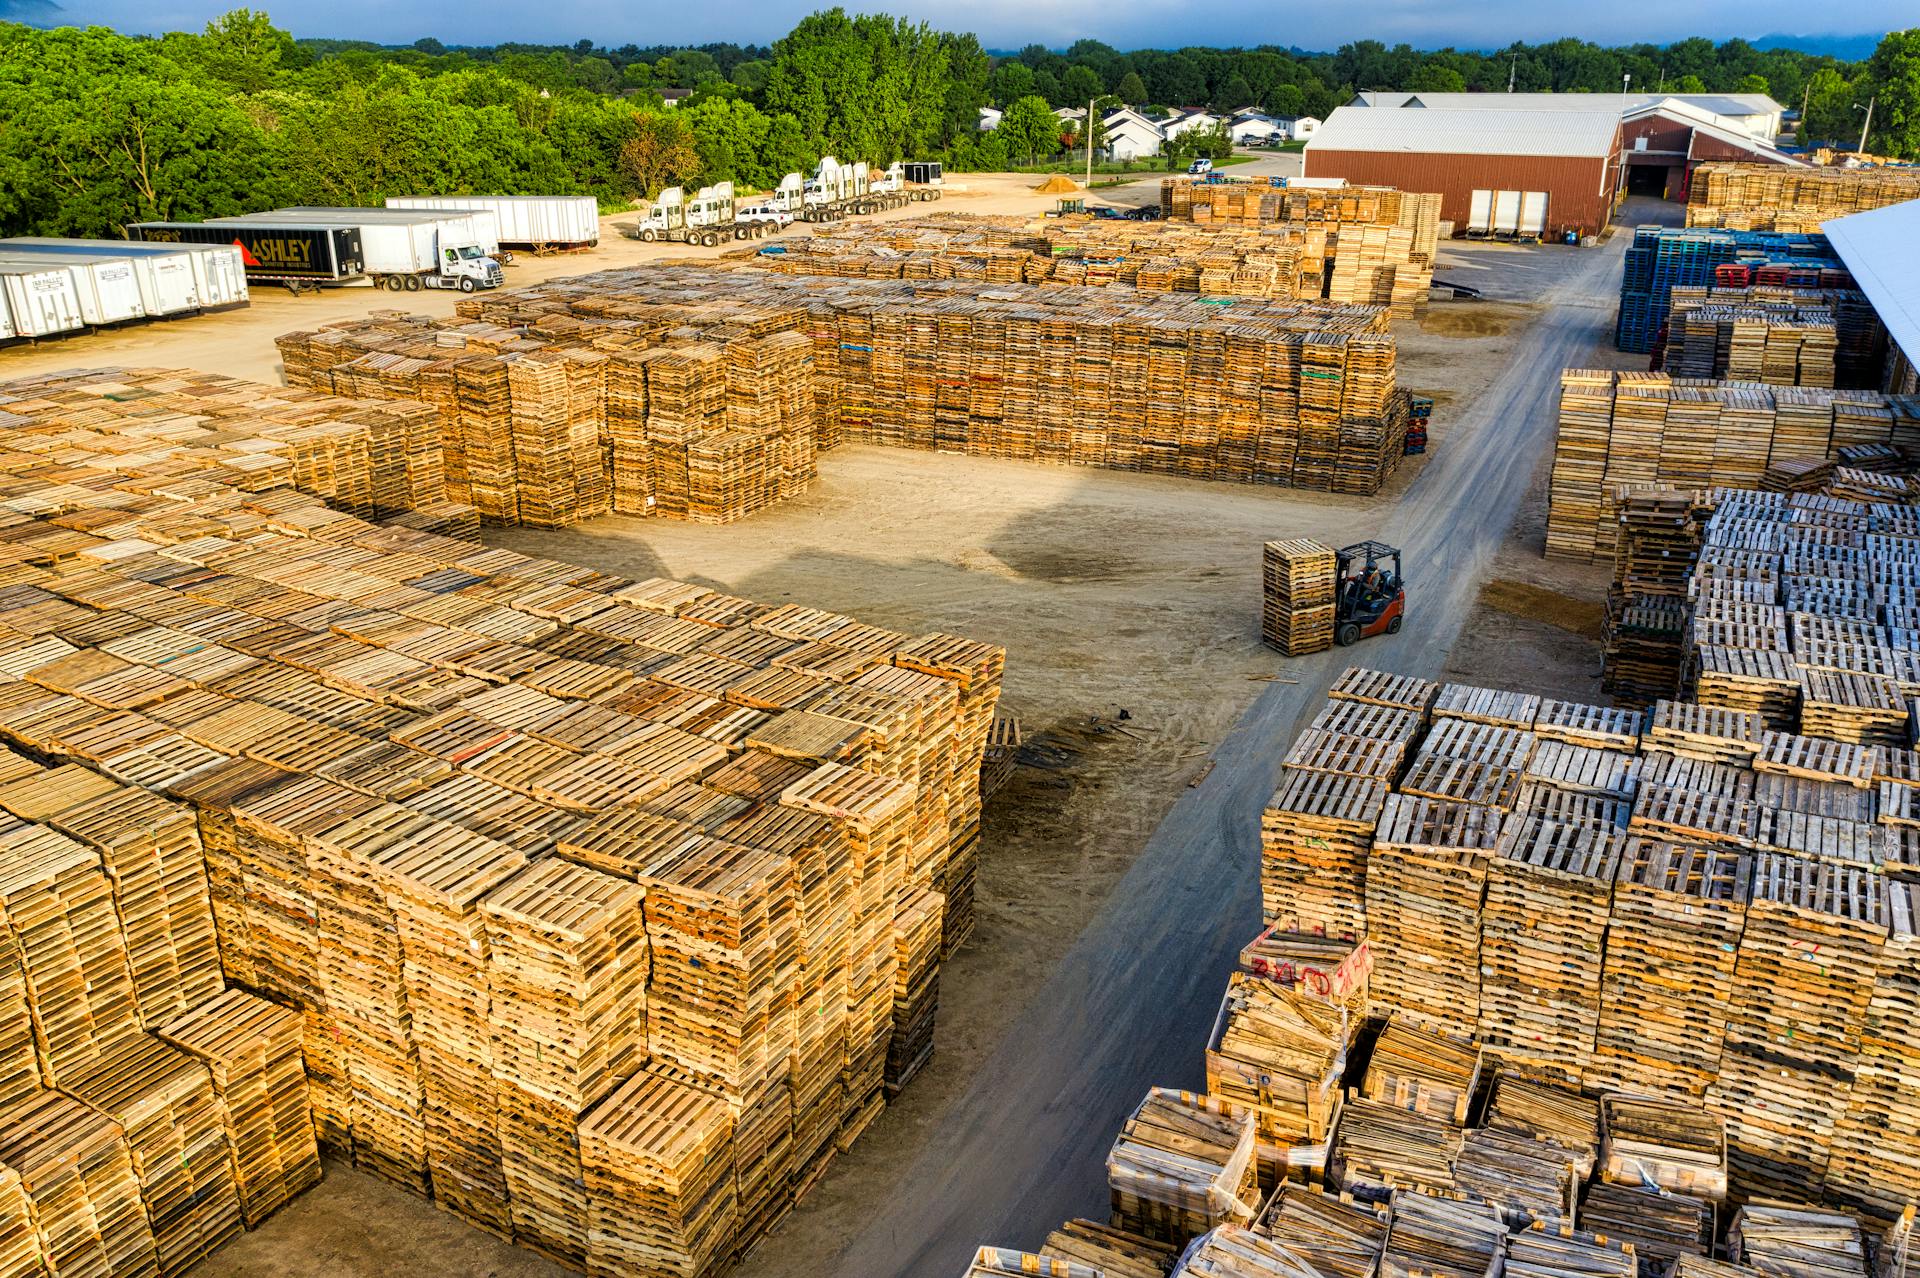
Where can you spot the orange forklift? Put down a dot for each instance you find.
(1371, 595)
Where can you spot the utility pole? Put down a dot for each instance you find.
(1512, 67)
(1867, 124)
(1089, 136)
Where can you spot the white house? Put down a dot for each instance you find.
(990, 118)
(1075, 114)
(1251, 127)
(1130, 135)
(1302, 127)
(1187, 120)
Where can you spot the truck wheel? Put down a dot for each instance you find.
(412, 283)
(647, 236)
(466, 284)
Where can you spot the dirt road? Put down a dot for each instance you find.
(1130, 1004)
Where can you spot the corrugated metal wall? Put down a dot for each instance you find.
(1580, 191)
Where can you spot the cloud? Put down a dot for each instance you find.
(1012, 23)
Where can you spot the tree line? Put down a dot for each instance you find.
(99, 129)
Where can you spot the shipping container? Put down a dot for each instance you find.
(273, 252)
(165, 275)
(42, 300)
(524, 221)
(108, 291)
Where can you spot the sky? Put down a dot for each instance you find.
(1006, 24)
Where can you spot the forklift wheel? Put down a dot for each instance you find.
(1347, 635)
(1393, 627)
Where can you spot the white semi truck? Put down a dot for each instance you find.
(708, 218)
(778, 207)
(400, 248)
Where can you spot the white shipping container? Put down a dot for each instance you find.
(1533, 213)
(215, 275)
(107, 288)
(1506, 212)
(1480, 213)
(532, 220)
(41, 300)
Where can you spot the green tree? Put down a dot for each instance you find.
(1285, 100)
(1690, 84)
(1030, 129)
(1829, 116)
(968, 69)
(1010, 82)
(243, 48)
(1893, 80)
(1752, 82)
(1081, 85)
(751, 76)
(1234, 94)
(1131, 90)
(660, 153)
(1436, 77)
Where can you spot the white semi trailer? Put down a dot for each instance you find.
(539, 223)
(400, 249)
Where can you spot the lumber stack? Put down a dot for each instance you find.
(1380, 1146)
(1793, 1030)
(1529, 1181)
(1336, 1234)
(1181, 1165)
(1235, 1249)
(1876, 1153)
(1277, 1055)
(1427, 1234)
(1678, 913)
(1541, 1250)
(1786, 1240)
(1297, 578)
(252, 1050)
(1113, 1252)
(1543, 1112)
(1670, 1233)
(1674, 1145)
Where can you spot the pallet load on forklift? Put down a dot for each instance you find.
(1371, 594)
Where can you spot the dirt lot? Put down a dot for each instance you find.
(1115, 594)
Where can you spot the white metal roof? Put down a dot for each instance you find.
(1730, 131)
(1454, 131)
(1877, 247)
(1733, 105)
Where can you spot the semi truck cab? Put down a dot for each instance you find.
(465, 267)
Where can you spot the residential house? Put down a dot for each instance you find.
(1298, 128)
(1130, 135)
(1186, 120)
(1251, 128)
(674, 97)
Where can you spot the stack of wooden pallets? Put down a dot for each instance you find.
(658, 1161)
(1426, 879)
(1549, 895)
(77, 1177)
(252, 1049)
(1541, 1111)
(1380, 1146)
(1787, 1240)
(1678, 912)
(1762, 197)
(1441, 1237)
(1674, 1145)
(1297, 579)
(1793, 1030)
(1665, 1229)
(1876, 1151)
(1529, 1181)
(163, 1100)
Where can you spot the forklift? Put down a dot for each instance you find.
(1370, 592)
